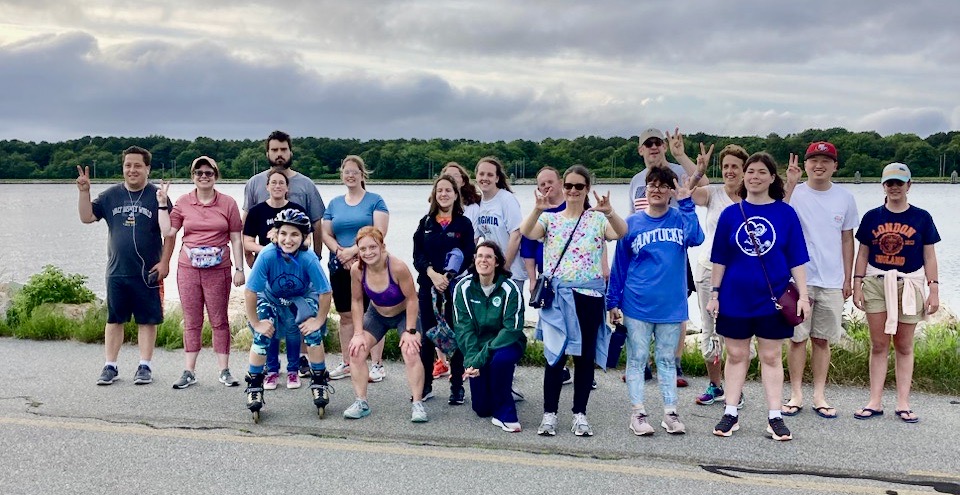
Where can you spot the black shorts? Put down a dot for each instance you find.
(128, 296)
(691, 285)
(342, 296)
(772, 327)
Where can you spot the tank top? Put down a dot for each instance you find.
(391, 296)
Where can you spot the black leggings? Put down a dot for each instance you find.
(590, 312)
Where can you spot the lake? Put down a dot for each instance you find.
(39, 225)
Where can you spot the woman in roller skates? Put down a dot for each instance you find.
(287, 291)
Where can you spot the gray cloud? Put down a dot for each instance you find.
(922, 121)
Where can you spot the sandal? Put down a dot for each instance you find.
(904, 414)
(822, 412)
(867, 413)
(790, 409)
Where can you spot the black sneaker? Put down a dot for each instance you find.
(647, 373)
(457, 396)
(303, 366)
(427, 393)
(778, 430)
(727, 425)
(143, 375)
(567, 377)
(108, 375)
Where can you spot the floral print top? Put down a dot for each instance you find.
(581, 262)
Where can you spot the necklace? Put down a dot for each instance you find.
(131, 218)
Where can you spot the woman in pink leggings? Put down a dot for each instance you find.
(210, 220)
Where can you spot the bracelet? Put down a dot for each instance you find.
(931, 282)
(858, 276)
(610, 215)
(715, 288)
(238, 269)
(165, 207)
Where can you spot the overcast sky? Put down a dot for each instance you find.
(482, 70)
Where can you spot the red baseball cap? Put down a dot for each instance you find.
(821, 148)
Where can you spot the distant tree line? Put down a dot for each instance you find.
(866, 152)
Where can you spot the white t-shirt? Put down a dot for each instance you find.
(717, 201)
(638, 187)
(495, 220)
(824, 215)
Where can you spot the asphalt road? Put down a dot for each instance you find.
(63, 434)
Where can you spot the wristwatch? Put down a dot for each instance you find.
(412, 330)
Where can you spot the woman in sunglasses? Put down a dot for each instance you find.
(209, 220)
(895, 258)
(574, 323)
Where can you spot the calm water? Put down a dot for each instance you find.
(39, 226)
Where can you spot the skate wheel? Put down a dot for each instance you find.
(321, 411)
(256, 417)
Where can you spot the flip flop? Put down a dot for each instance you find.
(902, 414)
(821, 411)
(867, 413)
(790, 410)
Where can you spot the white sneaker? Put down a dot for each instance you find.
(639, 425)
(548, 425)
(581, 427)
(512, 427)
(377, 373)
(671, 423)
(418, 412)
(341, 371)
(293, 380)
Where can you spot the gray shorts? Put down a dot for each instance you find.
(378, 325)
(826, 322)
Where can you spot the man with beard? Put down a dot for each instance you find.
(303, 192)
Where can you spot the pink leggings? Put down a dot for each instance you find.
(201, 287)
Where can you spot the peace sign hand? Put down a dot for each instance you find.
(603, 203)
(703, 160)
(684, 191)
(793, 169)
(83, 178)
(162, 197)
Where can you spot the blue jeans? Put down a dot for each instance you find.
(638, 351)
(284, 322)
(292, 339)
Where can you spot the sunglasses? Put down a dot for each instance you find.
(894, 183)
(203, 173)
(653, 143)
(569, 185)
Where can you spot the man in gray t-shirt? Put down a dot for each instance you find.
(302, 190)
(134, 270)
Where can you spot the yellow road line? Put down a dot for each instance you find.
(506, 457)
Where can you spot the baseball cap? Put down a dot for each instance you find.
(821, 148)
(895, 171)
(205, 160)
(651, 133)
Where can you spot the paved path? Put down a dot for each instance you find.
(49, 388)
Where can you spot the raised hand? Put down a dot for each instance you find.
(794, 172)
(163, 199)
(703, 160)
(541, 202)
(684, 191)
(83, 178)
(603, 203)
(676, 143)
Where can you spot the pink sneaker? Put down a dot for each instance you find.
(293, 380)
(270, 382)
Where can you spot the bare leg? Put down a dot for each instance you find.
(771, 370)
(190, 361)
(796, 362)
(359, 371)
(738, 360)
(903, 347)
(345, 333)
(411, 359)
(820, 365)
(879, 349)
(112, 340)
(146, 340)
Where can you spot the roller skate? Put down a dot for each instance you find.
(254, 393)
(321, 390)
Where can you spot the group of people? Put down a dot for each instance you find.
(463, 312)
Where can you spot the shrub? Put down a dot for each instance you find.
(49, 286)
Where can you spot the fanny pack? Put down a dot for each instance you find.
(205, 256)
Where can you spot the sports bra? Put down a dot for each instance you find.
(391, 296)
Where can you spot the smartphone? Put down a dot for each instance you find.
(153, 277)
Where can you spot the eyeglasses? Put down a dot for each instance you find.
(658, 187)
(653, 143)
(203, 173)
(350, 173)
(579, 186)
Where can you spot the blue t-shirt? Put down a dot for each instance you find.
(743, 290)
(648, 281)
(896, 240)
(530, 248)
(347, 220)
(287, 277)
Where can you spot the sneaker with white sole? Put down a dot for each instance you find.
(271, 380)
(377, 373)
(143, 375)
(567, 376)
(293, 379)
(359, 409)
(418, 412)
(580, 427)
(671, 423)
(341, 371)
(727, 425)
(303, 367)
(517, 396)
(227, 379)
(778, 430)
(186, 379)
(548, 425)
(508, 426)
(712, 394)
(108, 375)
(639, 425)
